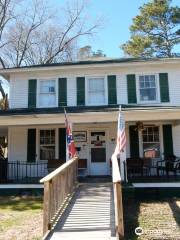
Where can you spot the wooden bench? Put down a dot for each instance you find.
(54, 163)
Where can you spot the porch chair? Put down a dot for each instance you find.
(169, 164)
(53, 164)
(134, 167)
(147, 165)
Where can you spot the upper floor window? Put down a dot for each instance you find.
(47, 93)
(147, 88)
(96, 91)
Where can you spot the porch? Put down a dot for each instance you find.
(35, 138)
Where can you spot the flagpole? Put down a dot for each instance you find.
(70, 145)
(122, 155)
(67, 157)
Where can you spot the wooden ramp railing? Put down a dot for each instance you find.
(117, 187)
(58, 186)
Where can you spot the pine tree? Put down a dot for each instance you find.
(155, 31)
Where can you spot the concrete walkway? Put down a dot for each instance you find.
(90, 215)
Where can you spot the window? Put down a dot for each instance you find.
(151, 143)
(47, 93)
(147, 88)
(47, 144)
(96, 91)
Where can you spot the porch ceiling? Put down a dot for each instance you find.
(45, 119)
(152, 114)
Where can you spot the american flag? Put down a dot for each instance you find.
(121, 135)
(71, 148)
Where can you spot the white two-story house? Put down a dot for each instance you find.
(148, 91)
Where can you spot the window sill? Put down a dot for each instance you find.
(96, 104)
(47, 106)
(148, 102)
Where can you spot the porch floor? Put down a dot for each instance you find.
(157, 185)
(153, 179)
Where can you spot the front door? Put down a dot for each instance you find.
(98, 164)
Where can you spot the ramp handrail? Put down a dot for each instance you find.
(117, 188)
(58, 185)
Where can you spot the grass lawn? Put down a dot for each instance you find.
(20, 218)
(159, 219)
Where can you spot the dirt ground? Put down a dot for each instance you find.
(158, 219)
(20, 218)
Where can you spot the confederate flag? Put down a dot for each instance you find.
(71, 148)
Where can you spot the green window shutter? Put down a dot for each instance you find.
(80, 91)
(112, 95)
(134, 141)
(62, 144)
(32, 88)
(62, 90)
(168, 140)
(131, 88)
(164, 87)
(31, 145)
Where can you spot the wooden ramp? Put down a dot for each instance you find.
(90, 215)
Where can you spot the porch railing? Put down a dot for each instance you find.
(22, 172)
(58, 186)
(117, 187)
(148, 169)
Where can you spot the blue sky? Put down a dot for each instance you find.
(118, 16)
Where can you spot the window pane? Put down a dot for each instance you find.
(47, 86)
(141, 81)
(152, 94)
(156, 138)
(47, 152)
(47, 96)
(147, 88)
(151, 150)
(47, 137)
(96, 85)
(150, 138)
(96, 91)
(148, 94)
(151, 144)
(46, 100)
(147, 83)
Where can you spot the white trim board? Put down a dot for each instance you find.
(157, 185)
(14, 186)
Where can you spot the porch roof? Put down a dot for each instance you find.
(88, 114)
(89, 63)
(84, 109)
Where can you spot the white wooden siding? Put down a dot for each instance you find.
(19, 82)
(17, 149)
(18, 93)
(174, 87)
(176, 140)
